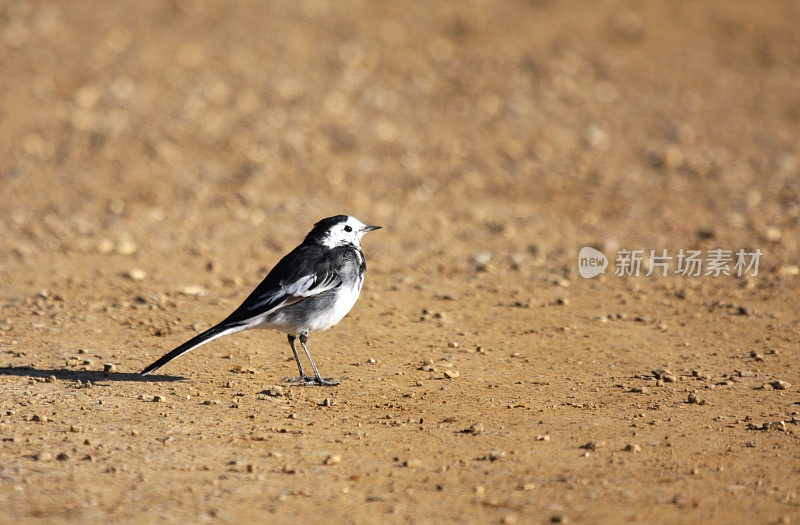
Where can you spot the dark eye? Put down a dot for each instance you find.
(348, 229)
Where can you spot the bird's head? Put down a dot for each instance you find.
(339, 230)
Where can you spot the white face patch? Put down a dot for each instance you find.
(345, 233)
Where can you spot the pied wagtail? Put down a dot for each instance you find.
(311, 289)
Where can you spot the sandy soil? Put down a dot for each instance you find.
(157, 159)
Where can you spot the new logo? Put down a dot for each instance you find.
(591, 262)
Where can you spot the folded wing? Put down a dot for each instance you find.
(305, 272)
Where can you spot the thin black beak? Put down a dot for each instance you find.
(370, 228)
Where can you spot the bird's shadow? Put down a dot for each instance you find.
(84, 375)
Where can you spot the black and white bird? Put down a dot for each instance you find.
(311, 289)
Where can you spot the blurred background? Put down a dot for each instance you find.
(207, 126)
(158, 157)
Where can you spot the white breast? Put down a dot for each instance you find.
(346, 298)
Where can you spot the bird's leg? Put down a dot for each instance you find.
(303, 377)
(318, 378)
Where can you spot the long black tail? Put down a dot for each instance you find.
(198, 340)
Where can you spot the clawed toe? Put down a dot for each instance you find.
(303, 380)
(310, 380)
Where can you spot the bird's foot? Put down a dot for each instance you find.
(310, 381)
(303, 380)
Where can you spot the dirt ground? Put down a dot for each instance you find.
(157, 158)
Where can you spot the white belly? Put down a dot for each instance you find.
(308, 316)
(345, 300)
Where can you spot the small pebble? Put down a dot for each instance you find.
(136, 274)
(43, 456)
(158, 399)
(482, 258)
(495, 455)
(451, 374)
(664, 375)
(63, 456)
(694, 399)
(593, 445)
(275, 391)
(105, 246)
(773, 234)
(108, 367)
(126, 247)
(412, 463)
(474, 429)
(788, 270)
(193, 290)
(333, 460)
(780, 385)
(632, 447)
(327, 402)
(774, 425)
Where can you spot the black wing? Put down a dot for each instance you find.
(306, 271)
